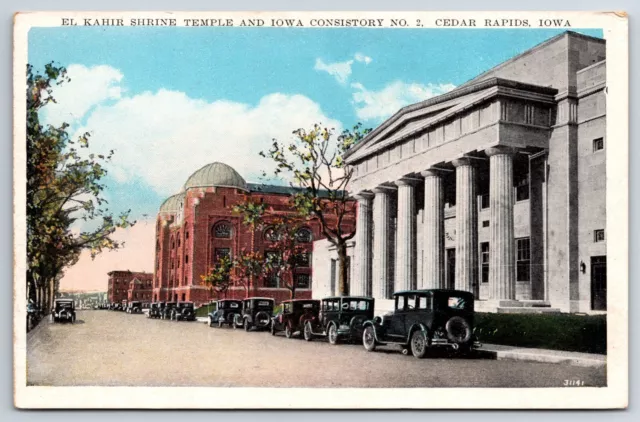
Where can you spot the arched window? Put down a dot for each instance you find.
(271, 235)
(222, 230)
(304, 235)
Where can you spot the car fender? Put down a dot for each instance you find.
(416, 327)
(375, 327)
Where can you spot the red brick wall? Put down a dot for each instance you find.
(119, 284)
(204, 208)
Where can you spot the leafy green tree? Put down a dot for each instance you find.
(64, 186)
(219, 277)
(248, 266)
(313, 161)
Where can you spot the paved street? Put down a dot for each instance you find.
(106, 348)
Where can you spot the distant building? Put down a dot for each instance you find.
(197, 226)
(129, 285)
(497, 187)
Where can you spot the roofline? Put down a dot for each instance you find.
(461, 91)
(431, 290)
(185, 189)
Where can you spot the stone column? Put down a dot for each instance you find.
(405, 274)
(501, 246)
(433, 231)
(466, 225)
(360, 286)
(381, 241)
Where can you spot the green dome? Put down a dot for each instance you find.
(172, 203)
(216, 174)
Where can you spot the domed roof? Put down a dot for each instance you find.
(172, 203)
(216, 174)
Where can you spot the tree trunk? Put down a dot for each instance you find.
(343, 285)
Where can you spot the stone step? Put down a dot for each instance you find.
(536, 303)
(527, 310)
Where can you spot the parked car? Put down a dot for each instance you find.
(63, 310)
(423, 319)
(340, 318)
(134, 307)
(155, 309)
(226, 312)
(167, 310)
(184, 311)
(293, 316)
(257, 313)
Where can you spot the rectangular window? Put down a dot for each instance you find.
(221, 252)
(304, 259)
(522, 187)
(484, 261)
(400, 302)
(485, 223)
(523, 259)
(303, 281)
(598, 235)
(484, 201)
(598, 144)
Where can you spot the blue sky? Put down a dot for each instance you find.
(170, 100)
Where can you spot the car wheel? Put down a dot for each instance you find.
(332, 335)
(247, 326)
(73, 319)
(219, 323)
(308, 333)
(369, 339)
(210, 322)
(419, 344)
(458, 330)
(273, 328)
(288, 331)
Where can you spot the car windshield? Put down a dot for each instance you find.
(457, 302)
(64, 304)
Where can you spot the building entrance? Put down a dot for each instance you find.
(599, 283)
(450, 276)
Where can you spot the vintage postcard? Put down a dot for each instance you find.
(321, 210)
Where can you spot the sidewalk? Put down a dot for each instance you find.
(498, 352)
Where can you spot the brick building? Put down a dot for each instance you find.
(129, 285)
(197, 226)
(497, 187)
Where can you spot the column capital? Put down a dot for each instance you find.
(407, 181)
(384, 189)
(500, 150)
(363, 195)
(462, 161)
(432, 172)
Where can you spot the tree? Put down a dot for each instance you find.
(247, 266)
(313, 162)
(64, 186)
(219, 277)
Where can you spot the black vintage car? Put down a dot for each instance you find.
(166, 312)
(125, 306)
(340, 318)
(226, 313)
(424, 319)
(155, 310)
(257, 313)
(293, 316)
(63, 310)
(134, 307)
(184, 311)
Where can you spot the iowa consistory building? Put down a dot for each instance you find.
(197, 226)
(497, 187)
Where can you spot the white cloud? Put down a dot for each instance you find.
(88, 87)
(163, 137)
(378, 105)
(362, 58)
(341, 70)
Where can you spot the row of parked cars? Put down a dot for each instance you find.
(421, 319)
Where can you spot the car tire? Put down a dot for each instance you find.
(369, 339)
(73, 319)
(219, 323)
(419, 344)
(210, 322)
(247, 326)
(308, 332)
(458, 330)
(332, 334)
(288, 331)
(272, 328)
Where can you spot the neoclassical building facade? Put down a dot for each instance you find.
(497, 187)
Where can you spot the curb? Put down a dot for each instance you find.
(532, 356)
